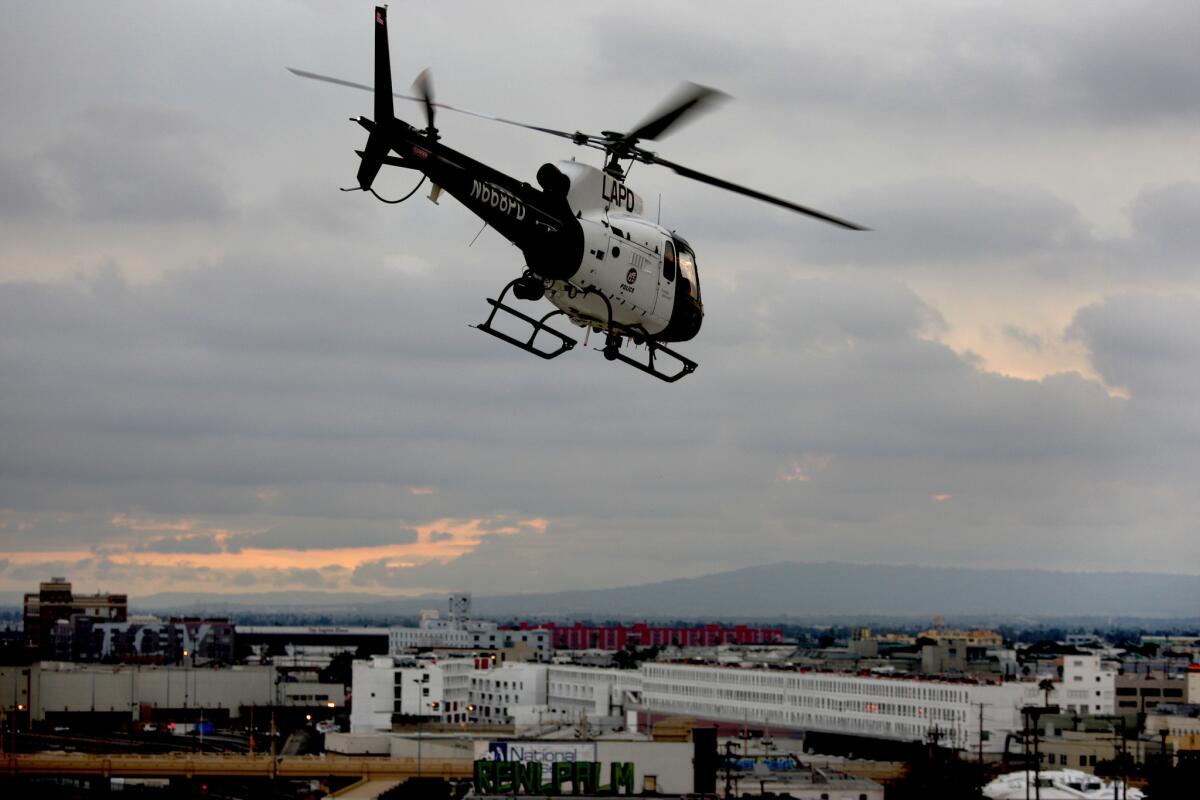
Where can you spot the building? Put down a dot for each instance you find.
(1168, 720)
(179, 640)
(55, 602)
(509, 694)
(313, 645)
(602, 697)
(1142, 692)
(902, 708)
(579, 636)
(397, 690)
(1086, 685)
(974, 638)
(1082, 743)
(458, 631)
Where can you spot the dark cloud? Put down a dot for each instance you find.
(329, 533)
(1164, 227)
(195, 543)
(1147, 343)
(1125, 62)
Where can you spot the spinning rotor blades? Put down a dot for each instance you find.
(689, 99)
(423, 86)
(578, 138)
(688, 172)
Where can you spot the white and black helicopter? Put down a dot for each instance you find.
(588, 247)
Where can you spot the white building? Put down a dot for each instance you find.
(510, 694)
(1088, 686)
(575, 693)
(388, 688)
(893, 707)
(457, 631)
(897, 707)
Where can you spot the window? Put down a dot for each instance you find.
(669, 262)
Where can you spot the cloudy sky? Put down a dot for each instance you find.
(218, 373)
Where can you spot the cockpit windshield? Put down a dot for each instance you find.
(687, 272)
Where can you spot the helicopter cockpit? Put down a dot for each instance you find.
(679, 265)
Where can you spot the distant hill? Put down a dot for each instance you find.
(791, 589)
(808, 589)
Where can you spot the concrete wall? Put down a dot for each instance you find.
(58, 687)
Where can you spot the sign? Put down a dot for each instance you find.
(498, 776)
(534, 752)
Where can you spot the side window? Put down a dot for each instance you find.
(669, 261)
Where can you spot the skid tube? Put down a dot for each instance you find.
(537, 325)
(612, 349)
(686, 365)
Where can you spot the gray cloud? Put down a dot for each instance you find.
(1147, 343)
(198, 543)
(329, 533)
(119, 164)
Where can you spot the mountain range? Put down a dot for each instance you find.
(800, 590)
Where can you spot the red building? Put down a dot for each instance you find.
(617, 637)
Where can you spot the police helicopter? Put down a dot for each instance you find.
(589, 248)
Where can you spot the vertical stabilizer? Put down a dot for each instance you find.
(377, 147)
(383, 69)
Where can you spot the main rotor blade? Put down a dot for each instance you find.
(687, 99)
(424, 88)
(688, 172)
(577, 137)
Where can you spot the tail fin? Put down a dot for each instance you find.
(383, 69)
(377, 147)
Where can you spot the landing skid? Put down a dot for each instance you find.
(537, 326)
(686, 365)
(612, 347)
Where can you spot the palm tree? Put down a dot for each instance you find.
(1047, 686)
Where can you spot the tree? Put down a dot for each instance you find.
(1047, 686)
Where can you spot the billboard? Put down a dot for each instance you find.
(535, 752)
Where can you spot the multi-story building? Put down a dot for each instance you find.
(905, 708)
(459, 632)
(617, 637)
(391, 690)
(1142, 692)
(55, 602)
(510, 694)
(956, 711)
(575, 693)
(177, 641)
(1086, 686)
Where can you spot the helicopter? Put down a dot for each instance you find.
(589, 247)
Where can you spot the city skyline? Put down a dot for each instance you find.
(217, 373)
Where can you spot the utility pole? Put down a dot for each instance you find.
(729, 746)
(981, 705)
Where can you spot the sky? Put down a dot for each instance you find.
(220, 374)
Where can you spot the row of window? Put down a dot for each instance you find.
(872, 687)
